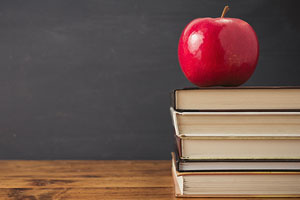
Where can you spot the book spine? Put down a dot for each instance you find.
(178, 145)
(173, 100)
(177, 159)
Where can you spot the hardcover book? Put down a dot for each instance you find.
(236, 98)
(236, 184)
(227, 165)
(268, 148)
(236, 124)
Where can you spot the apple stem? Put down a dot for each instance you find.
(225, 10)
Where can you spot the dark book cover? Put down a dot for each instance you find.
(179, 160)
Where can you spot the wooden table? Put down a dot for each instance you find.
(45, 180)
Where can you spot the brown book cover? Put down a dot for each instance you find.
(176, 186)
(178, 145)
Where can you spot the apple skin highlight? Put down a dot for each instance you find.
(218, 51)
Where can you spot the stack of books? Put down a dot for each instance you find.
(237, 142)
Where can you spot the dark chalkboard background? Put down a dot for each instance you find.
(90, 79)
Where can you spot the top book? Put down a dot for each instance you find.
(237, 98)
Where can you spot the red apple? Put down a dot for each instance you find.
(218, 51)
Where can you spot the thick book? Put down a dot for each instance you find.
(236, 98)
(227, 165)
(231, 124)
(236, 184)
(266, 148)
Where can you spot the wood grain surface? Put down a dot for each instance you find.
(45, 180)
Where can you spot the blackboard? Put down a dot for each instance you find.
(90, 79)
